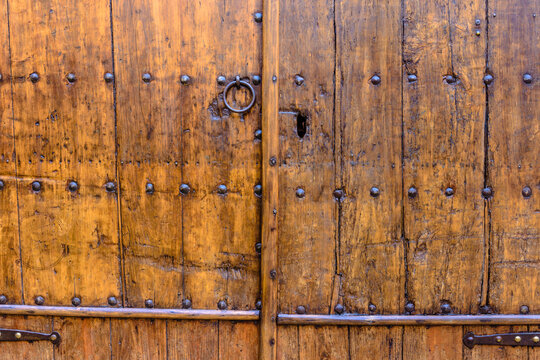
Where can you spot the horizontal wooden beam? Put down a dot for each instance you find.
(407, 320)
(125, 313)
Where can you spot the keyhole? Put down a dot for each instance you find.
(301, 124)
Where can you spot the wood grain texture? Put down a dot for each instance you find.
(443, 149)
(376, 343)
(65, 131)
(439, 342)
(307, 223)
(40, 350)
(371, 248)
(193, 340)
(313, 342)
(83, 338)
(138, 339)
(238, 340)
(514, 135)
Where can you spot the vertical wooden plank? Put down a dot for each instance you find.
(138, 339)
(514, 135)
(39, 350)
(64, 131)
(148, 42)
(444, 111)
(371, 259)
(307, 223)
(287, 343)
(327, 342)
(220, 230)
(83, 338)
(495, 352)
(376, 342)
(238, 340)
(270, 180)
(192, 340)
(7, 155)
(438, 342)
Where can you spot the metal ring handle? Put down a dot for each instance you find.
(239, 83)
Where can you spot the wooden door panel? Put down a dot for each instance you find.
(41, 350)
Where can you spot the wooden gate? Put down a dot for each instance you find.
(378, 200)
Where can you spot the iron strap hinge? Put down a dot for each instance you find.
(23, 335)
(510, 339)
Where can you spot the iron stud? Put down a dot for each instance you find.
(146, 77)
(524, 309)
(372, 308)
(526, 192)
(273, 161)
(222, 305)
(257, 189)
(73, 186)
(485, 309)
(39, 300)
(112, 301)
(53, 337)
(449, 192)
(18, 335)
(258, 16)
(477, 22)
(185, 79)
(36, 186)
(149, 303)
(498, 339)
(487, 192)
(258, 305)
(273, 274)
(375, 192)
(110, 187)
(222, 189)
(488, 79)
(298, 80)
(409, 307)
(536, 339)
(477, 32)
(446, 308)
(258, 134)
(184, 189)
(3, 299)
(71, 77)
(256, 79)
(300, 309)
(258, 247)
(338, 194)
(517, 339)
(76, 301)
(450, 79)
(527, 78)
(375, 79)
(186, 304)
(34, 77)
(2, 185)
(339, 309)
(300, 193)
(149, 188)
(412, 78)
(412, 192)
(108, 77)
(1, 77)
(221, 80)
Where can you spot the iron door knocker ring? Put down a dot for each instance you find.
(239, 83)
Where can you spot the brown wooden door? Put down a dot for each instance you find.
(378, 201)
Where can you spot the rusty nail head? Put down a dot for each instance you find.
(274, 211)
(339, 309)
(485, 309)
(185, 189)
(258, 247)
(39, 300)
(446, 308)
(412, 192)
(273, 161)
(222, 189)
(34, 77)
(477, 22)
(300, 309)
(185, 79)
(298, 80)
(412, 77)
(149, 303)
(449, 191)
(372, 308)
(488, 79)
(257, 189)
(110, 187)
(409, 307)
(221, 80)
(300, 193)
(450, 79)
(258, 134)
(186, 303)
(3, 299)
(338, 194)
(526, 192)
(108, 77)
(222, 305)
(258, 305)
(149, 188)
(487, 192)
(256, 79)
(375, 192)
(146, 77)
(73, 186)
(112, 301)
(375, 79)
(524, 309)
(274, 78)
(71, 77)
(76, 301)
(2, 185)
(36, 186)
(272, 342)
(273, 274)
(527, 78)
(258, 16)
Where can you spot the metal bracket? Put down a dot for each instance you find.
(23, 335)
(511, 339)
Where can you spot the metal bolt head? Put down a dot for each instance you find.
(73, 186)
(498, 339)
(3, 299)
(488, 79)
(375, 79)
(524, 309)
(36, 186)
(272, 161)
(487, 192)
(527, 78)
(372, 308)
(258, 247)
(256, 79)
(517, 339)
(222, 189)
(375, 192)
(409, 307)
(273, 274)
(1, 77)
(185, 79)
(258, 16)
(477, 22)
(39, 300)
(412, 192)
(18, 335)
(34, 77)
(450, 79)
(110, 187)
(257, 189)
(108, 77)
(300, 309)
(526, 192)
(221, 80)
(76, 301)
(536, 339)
(300, 193)
(149, 303)
(2, 185)
(258, 134)
(338, 194)
(71, 77)
(339, 309)
(449, 192)
(411, 78)
(53, 337)
(477, 32)
(222, 305)
(258, 305)
(446, 308)
(146, 77)
(184, 189)
(485, 309)
(186, 304)
(149, 188)
(298, 80)
(111, 300)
